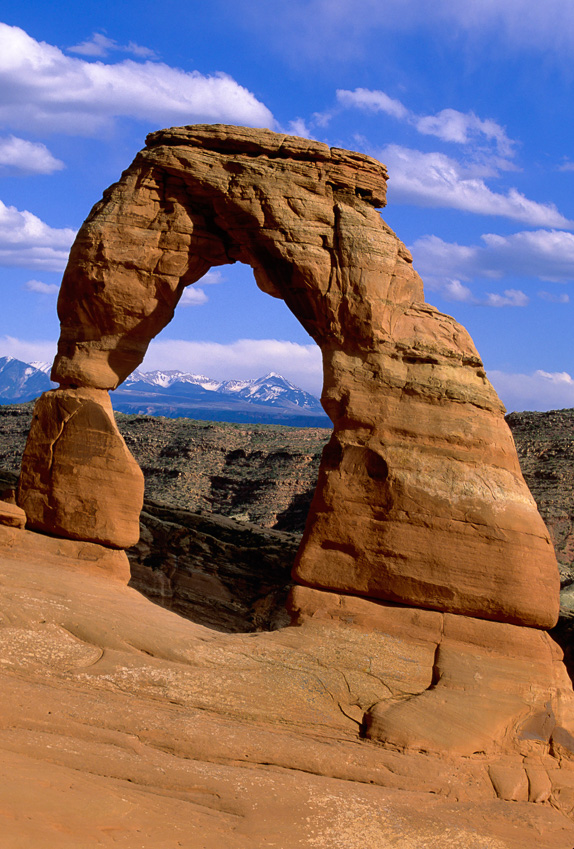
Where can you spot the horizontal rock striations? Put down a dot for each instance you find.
(420, 497)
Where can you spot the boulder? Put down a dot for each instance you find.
(78, 479)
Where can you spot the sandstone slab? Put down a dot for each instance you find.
(136, 727)
(12, 515)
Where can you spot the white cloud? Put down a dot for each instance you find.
(436, 180)
(464, 128)
(541, 390)
(553, 298)
(298, 127)
(28, 350)
(27, 242)
(373, 101)
(544, 254)
(100, 45)
(42, 288)
(454, 290)
(27, 157)
(547, 254)
(510, 298)
(212, 277)
(450, 125)
(43, 89)
(193, 297)
(243, 359)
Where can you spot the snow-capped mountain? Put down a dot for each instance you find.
(20, 382)
(45, 367)
(270, 399)
(166, 379)
(272, 389)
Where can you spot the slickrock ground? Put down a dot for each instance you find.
(124, 725)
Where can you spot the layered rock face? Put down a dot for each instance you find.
(420, 497)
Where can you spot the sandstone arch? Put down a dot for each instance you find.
(420, 497)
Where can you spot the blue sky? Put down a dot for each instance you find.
(468, 104)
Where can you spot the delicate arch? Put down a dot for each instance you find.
(420, 497)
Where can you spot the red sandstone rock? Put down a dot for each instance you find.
(420, 497)
(78, 479)
(12, 515)
(122, 724)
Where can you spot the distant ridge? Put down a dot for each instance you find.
(265, 400)
(271, 399)
(20, 382)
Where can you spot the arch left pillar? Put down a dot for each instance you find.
(127, 270)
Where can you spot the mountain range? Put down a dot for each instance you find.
(265, 400)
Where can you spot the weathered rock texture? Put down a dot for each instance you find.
(420, 497)
(124, 725)
(78, 479)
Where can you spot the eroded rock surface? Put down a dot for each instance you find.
(419, 486)
(122, 724)
(78, 479)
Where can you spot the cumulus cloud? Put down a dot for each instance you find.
(42, 89)
(437, 180)
(540, 390)
(26, 157)
(544, 254)
(26, 241)
(547, 254)
(193, 296)
(213, 276)
(42, 288)
(100, 45)
(464, 128)
(298, 127)
(453, 290)
(243, 359)
(28, 350)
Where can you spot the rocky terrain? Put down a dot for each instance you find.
(246, 479)
(266, 474)
(545, 445)
(124, 725)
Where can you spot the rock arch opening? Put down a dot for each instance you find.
(419, 486)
